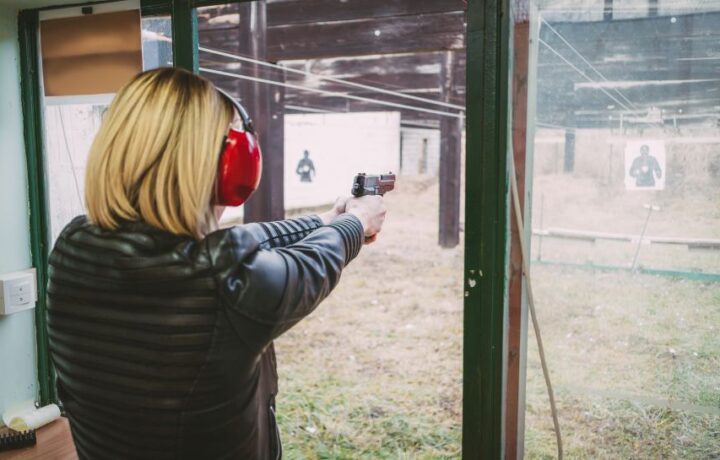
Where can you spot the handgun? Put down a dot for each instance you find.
(365, 184)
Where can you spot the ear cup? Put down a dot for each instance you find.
(239, 168)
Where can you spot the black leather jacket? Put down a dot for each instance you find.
(163, 344)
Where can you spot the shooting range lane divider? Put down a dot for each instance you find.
(531, 303)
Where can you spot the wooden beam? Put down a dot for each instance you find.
(381, 65)
(392, 72)
(342, 105)
(319, 11)
(569, 156)
(402, 34)
(392, 35)
(274, 145)
(251, 35)
(652, 8)
(608, 10)
(450, 159)
(513, 408)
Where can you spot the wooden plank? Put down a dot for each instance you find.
(521, 44)
(421, 79)
(381, 65)
(342, 105)
(404, 34)
(218, 16)
(319, 11)
(592, 236)
(450, 159)
(397, 73)
(273, 143)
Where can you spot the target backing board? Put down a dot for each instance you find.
(645, 166)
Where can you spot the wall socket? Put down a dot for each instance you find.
(18, 291)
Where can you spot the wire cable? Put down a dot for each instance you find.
(586, 61)
(331, 79)
(330, 93)
(554, 51)
(531, 306)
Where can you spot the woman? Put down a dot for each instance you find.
(161, 326)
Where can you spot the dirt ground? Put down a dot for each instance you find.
(376, 371)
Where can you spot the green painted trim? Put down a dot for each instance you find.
(28, 24)
(693, 276)
(486, 227)
(72, 5)
(201, 3)
(155, 7)
(185, 35)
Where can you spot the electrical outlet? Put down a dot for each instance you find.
(17, 291)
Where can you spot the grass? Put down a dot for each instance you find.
(635, 362)
(375, 372)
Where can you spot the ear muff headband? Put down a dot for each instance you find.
(240, 162)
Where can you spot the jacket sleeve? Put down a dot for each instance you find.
(264, 292)
(283, 232)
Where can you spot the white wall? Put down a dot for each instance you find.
(18, 362)
(340, 145)
(413, 159)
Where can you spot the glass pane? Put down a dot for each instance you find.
(157, 42)
(375, 371)
(625, 228)
(71, 124)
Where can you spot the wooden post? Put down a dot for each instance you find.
(267, 203)
(513, 409)
(450, 154)
(569, 158)
(608, 10)
(652, 8)
(274, 145)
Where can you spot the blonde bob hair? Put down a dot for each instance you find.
(155, 157)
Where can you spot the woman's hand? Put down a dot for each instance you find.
(371, 212)
(337, 209)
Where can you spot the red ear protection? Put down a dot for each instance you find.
(240, 164)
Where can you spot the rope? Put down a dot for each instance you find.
(531, 305)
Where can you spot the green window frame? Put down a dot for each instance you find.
(486, 198)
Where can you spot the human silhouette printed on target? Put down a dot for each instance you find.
(305, 168)
(644, 168)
